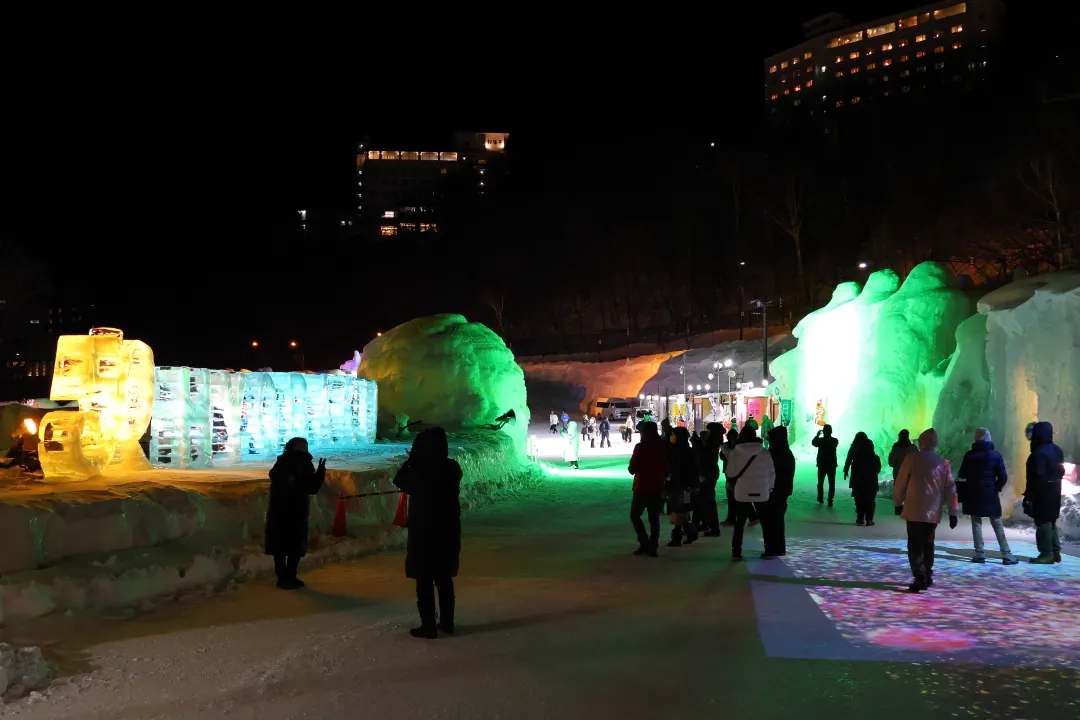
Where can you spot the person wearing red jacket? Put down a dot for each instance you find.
(649, 466)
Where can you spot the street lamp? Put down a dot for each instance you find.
(255, 343)
(710, 376)
(728, 363)
(862, 266)
(707, 387)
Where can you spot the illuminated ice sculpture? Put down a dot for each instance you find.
(251, 415)
(112, 380)
(197, 417)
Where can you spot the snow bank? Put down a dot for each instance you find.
(124, 545)
(874, 358)
(446, 371)
(21, 670)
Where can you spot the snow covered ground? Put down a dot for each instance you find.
(557, 619)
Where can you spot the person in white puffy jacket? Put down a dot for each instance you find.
(750, 469)
(924, 483)
(573, 444)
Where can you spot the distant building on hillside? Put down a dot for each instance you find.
(943, 47)
(403, 191)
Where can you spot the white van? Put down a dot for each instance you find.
(613, 408)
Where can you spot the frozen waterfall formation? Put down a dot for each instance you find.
(889, 356)
(197, 417)
(444, 370)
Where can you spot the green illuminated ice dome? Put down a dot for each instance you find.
(874, 358)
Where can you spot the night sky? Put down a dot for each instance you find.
(196, 181)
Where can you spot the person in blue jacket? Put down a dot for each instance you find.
(982, 477)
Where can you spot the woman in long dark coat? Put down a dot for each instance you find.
(292, 480)
(432, 481)
(864, 467)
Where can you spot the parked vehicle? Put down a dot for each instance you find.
(614, 408)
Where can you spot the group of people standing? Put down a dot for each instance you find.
(683, 471)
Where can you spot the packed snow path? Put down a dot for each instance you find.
(558, 620)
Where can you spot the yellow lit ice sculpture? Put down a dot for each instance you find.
(111, 379)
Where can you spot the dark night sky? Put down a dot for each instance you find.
(216, 160)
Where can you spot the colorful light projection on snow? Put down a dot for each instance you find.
(112, 380)
(829, 601)
(214, 417)
(874, 357)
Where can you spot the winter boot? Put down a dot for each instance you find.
(691, 534)
(979, 559)
(918, 585)
(1043, 560)
(446, 616)
(427, 629)
(1057, 556)
(641, 549)
(650, 550)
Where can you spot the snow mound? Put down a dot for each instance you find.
(873, 359)
(446, 371)
(21, 670)
(964, 404)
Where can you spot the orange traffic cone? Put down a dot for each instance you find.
(340, 529)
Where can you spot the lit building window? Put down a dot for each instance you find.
(798, 88)
(797, 102)
(773, 96)
(881, 30)
(809, 83)
(839, 103)
(448, 156)
(939, 65)
(854, 70)
(390, 154)
(886, 47)
(854, 55)
(905, 58)
(856, 100)
(950, 11)
(389, 214)
(807, 55)
(429, 156)
(886, 62)
(920, 38)
(373, 155)
(795, 60)
(921, 53)
(839, 73)
(787, 92)
(388, 230)
(427, 227)
(921, 68)
(906, 88)
(903, 43)
(783, 65)
(924, 18)
(957, 45)
(410, 156)
(907, 22)
(845, 39)
(956, 28)
(939, 49)
(442, 171)
(871, 66)
(905, 73)
(870, 51)
(772, 69)
(839, 59)
(938, 33)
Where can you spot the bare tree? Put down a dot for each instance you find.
(1042, 179)
(789, 217)
(497, 302)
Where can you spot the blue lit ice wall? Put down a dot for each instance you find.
(214, 417)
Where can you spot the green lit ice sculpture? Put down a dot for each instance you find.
(874, 358)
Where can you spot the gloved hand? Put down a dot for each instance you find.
(899, 509)
(952, 522)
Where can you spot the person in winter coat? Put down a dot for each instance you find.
(900, 450)
(826, 446)
(432, 480)
(565, 420)
(729, 488)
(573, 444)
(864, 466)
(752, 423)
(665, 429)
(981, 478)
(766, 427)
(649, 466)
(923, 485)
(628, 430)
(750, 470)
(292, 480)
(1042, 496)
(605, 431)
(707, 454)
(784, 467)
(554, 420)
(682, 481)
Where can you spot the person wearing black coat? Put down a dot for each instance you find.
(826, 446)
(1042, 496)
(784, 464)
(682, 480)
(605, 431)
(864, 467)
(981, 478)
(707, 454)
(432, 480)
(292, 480)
